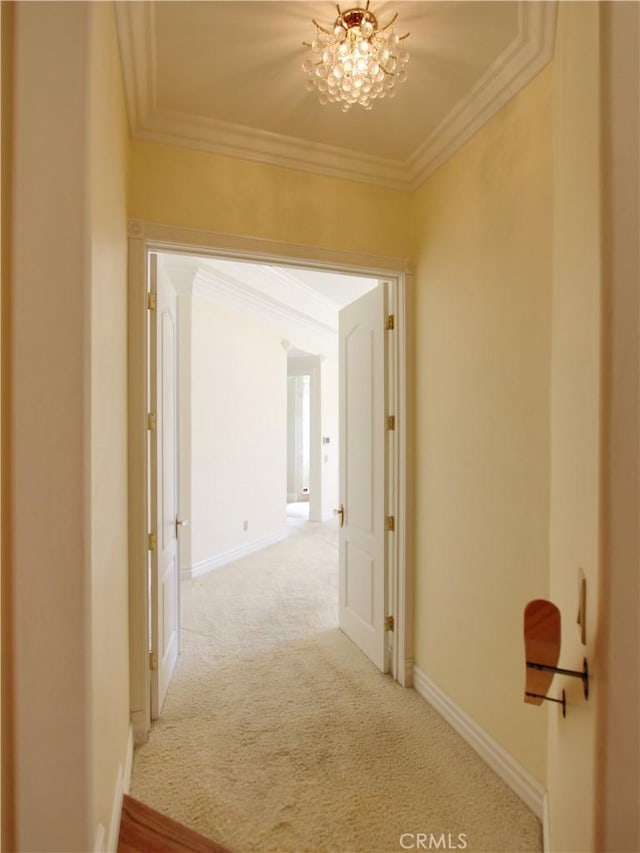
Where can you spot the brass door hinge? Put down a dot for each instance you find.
(390, 323)
(152, 301)
(153, 661)
(153, 542)
(390, 523)
(391, 422)
(389, 623)
(151, 421)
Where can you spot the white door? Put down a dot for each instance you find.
(362, 570)
(165, 570)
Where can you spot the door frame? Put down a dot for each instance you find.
(159, 677)
(145, 238)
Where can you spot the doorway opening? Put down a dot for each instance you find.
(306, 368)
(298, 437)
(308, 473)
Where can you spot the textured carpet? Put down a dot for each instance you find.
(278, 734)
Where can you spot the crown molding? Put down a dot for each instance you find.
(301, 287)
(529, 52)
(188, 275)
(273, 149)
(182, 271)
(231, 291)
(519, 63)
(135, 25)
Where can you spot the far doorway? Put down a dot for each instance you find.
(304, 440)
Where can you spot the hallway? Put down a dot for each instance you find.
(278, 734)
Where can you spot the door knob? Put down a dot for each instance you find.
(180, 523)
(340, 512)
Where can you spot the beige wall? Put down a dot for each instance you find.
(618, 768)
(49, 443)
(68, 485)
(482, 335)
(180, 186)
(107, 151)
(238, 429)
(575, 416)
(6, 748)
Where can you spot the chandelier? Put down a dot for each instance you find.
(356, 62)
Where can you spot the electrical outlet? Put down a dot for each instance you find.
(245, 525)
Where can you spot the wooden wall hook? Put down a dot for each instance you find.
(542, 632)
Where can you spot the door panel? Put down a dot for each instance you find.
(359, 583)
(167, 389)
(362, 598)
(165, 569)
(360, 401)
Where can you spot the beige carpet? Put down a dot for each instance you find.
(278, 734)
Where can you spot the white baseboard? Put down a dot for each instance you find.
(109, 844)
(140, 726)
(518, 778)
(230, 556)
(98, 842)
(128, 764)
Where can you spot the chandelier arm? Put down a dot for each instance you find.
(320, 27)
(405, 36)
(390, 23)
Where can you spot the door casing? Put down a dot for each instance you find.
(146, 238)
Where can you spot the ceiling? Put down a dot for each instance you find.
(225, 76)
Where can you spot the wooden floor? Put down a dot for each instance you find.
(144, 830)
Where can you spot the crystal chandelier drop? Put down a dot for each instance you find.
(356, 62)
